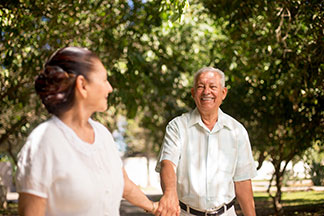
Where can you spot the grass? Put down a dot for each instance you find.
(303, 198)
(12, 210)
(301, 203)
(294, 198)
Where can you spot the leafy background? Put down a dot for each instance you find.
(271, 53)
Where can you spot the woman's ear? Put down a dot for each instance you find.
(80, 86)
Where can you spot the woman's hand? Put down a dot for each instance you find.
(155, 207)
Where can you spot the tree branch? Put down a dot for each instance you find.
(13, 128)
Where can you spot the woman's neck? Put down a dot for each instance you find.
(78, 121)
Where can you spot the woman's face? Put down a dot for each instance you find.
(98, 88)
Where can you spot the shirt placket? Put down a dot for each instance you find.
(209, 166)
(212, 166)
(100, 175)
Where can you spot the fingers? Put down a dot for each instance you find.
(155, 207)
(168, 207)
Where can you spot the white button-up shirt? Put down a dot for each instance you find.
(208, 162)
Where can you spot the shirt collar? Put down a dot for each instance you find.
(195, 118)
(224, 120)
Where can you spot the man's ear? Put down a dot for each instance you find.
(224, 90)
(80, 86)
(192, 92)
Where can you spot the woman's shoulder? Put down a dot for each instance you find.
(40, 139)
(45, 132)
(99, 126)
(44, 128)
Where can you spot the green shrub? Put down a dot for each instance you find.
(316, 172)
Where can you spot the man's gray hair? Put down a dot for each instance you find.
(210, 69)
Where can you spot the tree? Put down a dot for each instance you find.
(274, 55)
(31, 31)
(271, 52)
(178, 50)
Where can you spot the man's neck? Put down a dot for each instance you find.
(209, 119)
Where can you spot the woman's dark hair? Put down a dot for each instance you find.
(56, 84)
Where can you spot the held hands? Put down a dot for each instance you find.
(154, 207)
(168, 206)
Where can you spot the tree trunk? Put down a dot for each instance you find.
(276, 199)
(278, 174)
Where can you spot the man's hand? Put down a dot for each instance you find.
(168, 205)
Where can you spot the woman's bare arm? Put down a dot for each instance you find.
(31, 205)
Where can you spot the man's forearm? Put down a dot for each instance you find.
(169, 203)
(244, 195)
(168, 177)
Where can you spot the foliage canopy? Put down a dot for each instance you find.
(271, 53)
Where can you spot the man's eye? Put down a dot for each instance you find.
(200, 86)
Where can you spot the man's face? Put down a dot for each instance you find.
(208, 92)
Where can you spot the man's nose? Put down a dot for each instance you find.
(206, 90)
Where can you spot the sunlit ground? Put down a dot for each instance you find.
(304, 203)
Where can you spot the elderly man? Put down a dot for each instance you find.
(206, 159)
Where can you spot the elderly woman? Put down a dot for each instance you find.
(70, 164)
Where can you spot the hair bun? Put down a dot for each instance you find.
(56, 84)
(51, 71)
(53, 83)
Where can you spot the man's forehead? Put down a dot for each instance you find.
(212, 76)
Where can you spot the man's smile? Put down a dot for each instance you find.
(207, 98)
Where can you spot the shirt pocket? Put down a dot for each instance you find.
(227, 157)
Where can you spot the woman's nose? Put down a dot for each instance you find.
(110, 88)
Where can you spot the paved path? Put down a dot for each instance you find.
(128, 209)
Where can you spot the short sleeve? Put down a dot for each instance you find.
(35, 173)
(171, 145)
(245, 167)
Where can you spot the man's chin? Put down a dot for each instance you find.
(207, 109)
